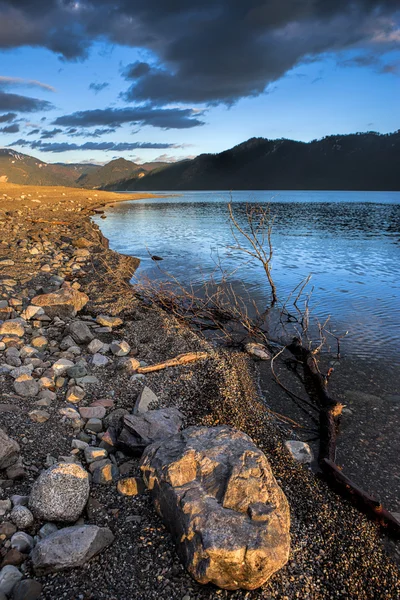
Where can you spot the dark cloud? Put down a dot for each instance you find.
(8, 117)
(371, 61)
(166, 118)
(10, 129)
(47, 134)
(207, 51)
(34, 132)
(103, 146)
(18, 103)
(91, 134)
(98, 87)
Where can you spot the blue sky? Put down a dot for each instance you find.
(349, 86)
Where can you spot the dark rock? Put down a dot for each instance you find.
(28, 589)
(140, 431)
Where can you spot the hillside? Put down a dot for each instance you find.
(16, 167)
(115, 171)
(365, 161)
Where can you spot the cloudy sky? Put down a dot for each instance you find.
(94, 79)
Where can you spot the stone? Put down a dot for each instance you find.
(258, 351)
(9, 577)
(120, 348)
(32, 311)
(27, 589)
(92, 454)
(141, 430)
(14, 557)
(63, 303)
(98, 360)
(75, 394)
(7, 529)
(70, 547)
(16, 471)
(131, 486)
(300, 451)
(60, 493)
(92, 412)
(80, 332)
(23, 370)
(26, 386)
(108, 321)
(79, 444)
(40, 342)
(95, 425)
(115, 418)
(144, 401)
(105, 475)
(216, 493)
(131, 365)
(22, 541)
(22, 517)
(9, 450)
(12, 327)
(5, 506)
(47, 529)
(39, 416)
(95, 346)
(77, 371)
(61, 366)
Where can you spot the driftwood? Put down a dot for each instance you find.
(181, 359)
(329, 409)
(368, 504)
(50, 222)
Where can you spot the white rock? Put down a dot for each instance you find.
(300, 451)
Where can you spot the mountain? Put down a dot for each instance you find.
(361, 161)
(115, 171)
(21, 168)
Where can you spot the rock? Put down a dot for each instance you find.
(141, 430)
(14, 557)
(105, 475)
(131, 486)
(63, 303)
(7, 529)
(75, 394)
(22, 541)
(5, 506)
(9, 451)
(12, 327)
(258, 351)
(16, 471)
(92, 454)
(131, 365)
(47, 529)
(95, 425)
(120, 348)
(40, 342)
(28, 589)
(216, 493)
(70, 547)
(23, 370)
(80, 332)
(300, 451)
(22, 517)
(9, 577)
(108, 321)
(26, 386)
(32, 311)
(39, 416)
(115, 418)
(99, 360)
(77, 371)
(60, 493)
(142, 404)
(19, 500)
(92, 412)
(82, 243)
(95, 346)
(61, 366)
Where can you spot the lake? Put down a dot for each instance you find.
(349, 242)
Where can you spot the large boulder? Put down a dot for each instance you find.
(216, 493)
(70, 547)
(65, 302)
(9, 451)
(60, 493)
(142, 430)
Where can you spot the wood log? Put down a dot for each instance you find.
(181, 359)
(365, 502)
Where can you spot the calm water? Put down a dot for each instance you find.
(348, 241)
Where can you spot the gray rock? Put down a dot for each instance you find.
(145, 399)
(5, 506)
(23, 370)
(92, 412)
(70, 547)
(120, 348)
(47, 529)
(61, 366)
(67, 342)
(95, 425)
(216, 493)
(80, 332)
(141, 430)
(60, 493)
(19, 500)
(9, 450)
(99, 360)
(26, 386)
(300, 451)
(95, 346)
(22, 517)
(28, 589)
(77, 371)
(92, 454)
(22, 541)
(105, 474)
(258, 351)
(9, 577)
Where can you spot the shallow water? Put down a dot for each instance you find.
(348, 241)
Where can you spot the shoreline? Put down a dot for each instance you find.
(333, 545)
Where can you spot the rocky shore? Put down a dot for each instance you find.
(73, 406)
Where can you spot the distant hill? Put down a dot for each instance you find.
(115, 171)
(361, 161)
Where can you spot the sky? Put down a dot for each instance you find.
(89, 81)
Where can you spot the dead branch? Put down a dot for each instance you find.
(181, 359)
